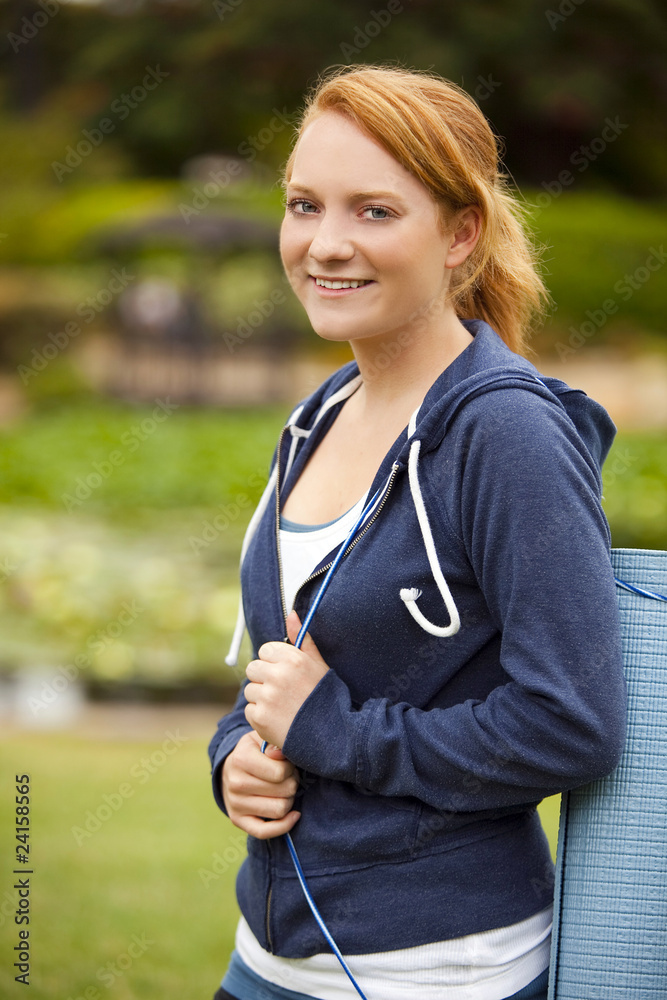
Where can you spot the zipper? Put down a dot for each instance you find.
(323, 569)
(268, 927)
(267, 916)
(390, 482)
(280, 565)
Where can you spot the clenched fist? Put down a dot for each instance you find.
(259, 786)
(281, 680)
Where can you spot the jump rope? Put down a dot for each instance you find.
(367, 511)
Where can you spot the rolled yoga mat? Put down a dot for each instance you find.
(610, 909)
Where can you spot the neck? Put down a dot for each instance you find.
(399, 368)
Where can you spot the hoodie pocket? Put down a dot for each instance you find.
(344, 827)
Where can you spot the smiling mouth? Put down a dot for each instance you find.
(342, 282)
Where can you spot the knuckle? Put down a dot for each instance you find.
(279, 808)
(265, 832)
(234, 781)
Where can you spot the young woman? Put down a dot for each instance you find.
(464, 661)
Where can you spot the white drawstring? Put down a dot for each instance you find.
(409, 596)
(239, 629)
(343, 393)
(297, 433)
(233, 655)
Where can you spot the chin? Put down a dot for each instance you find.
(344, 329)
(329, 328)
(335, 335)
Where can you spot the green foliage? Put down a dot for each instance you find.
(558, 72)
(187, 458)
(70, 218)
(596, 247)
(635, 488)
(104, 508)
(107, 506)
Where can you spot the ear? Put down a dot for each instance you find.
(465, 229)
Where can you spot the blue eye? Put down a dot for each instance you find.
(300, 206)
(378, 213)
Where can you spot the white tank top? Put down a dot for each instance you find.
(304, 546)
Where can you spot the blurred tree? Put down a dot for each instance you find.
(549, 77)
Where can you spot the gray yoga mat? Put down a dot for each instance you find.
(610, 913)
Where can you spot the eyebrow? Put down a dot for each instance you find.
(354, 196)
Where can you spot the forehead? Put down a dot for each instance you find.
(333, 149)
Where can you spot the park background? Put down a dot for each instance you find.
(149, 351)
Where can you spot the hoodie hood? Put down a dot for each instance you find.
(461, 382)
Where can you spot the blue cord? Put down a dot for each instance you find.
(638, 590)
(370, 506)
(316, 913)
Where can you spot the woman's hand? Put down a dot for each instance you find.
(281, 680)
(257, 785)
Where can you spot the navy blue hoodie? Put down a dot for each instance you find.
(423, 756)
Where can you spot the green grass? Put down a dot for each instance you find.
(138, 874)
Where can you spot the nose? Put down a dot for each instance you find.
(332, 240)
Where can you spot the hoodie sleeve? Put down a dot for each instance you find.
(230, 730)
(526, 509)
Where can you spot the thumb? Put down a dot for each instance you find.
(271, 750)
(308, 645)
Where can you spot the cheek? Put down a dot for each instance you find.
(293, 245)
(416, 275)
(286, 247)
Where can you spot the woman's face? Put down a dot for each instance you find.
(356, 216)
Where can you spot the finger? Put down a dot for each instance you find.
(253, 717)
(266, 829)
(243, 785)
(308, 645)
(255, 671)
(266, 803)
(293, 625)
(251, 692)
(282, 775)
(270, 766)
(272, 652)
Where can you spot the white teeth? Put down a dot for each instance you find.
(341, 284)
